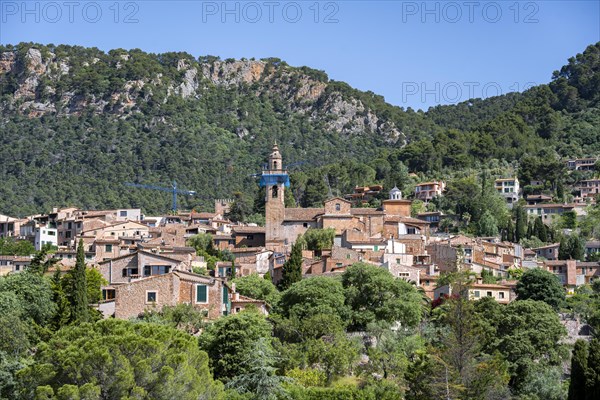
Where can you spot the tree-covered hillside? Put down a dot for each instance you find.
(77, 123)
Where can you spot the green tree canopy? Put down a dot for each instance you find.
(538, 284)
(117, 359)
(319, 239)
(373, 294)
(256, 287)
(292, 268)
(229, 337)
(312, 296)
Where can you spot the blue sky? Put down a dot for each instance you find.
(416, 54)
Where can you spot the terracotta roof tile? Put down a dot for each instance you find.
(302, 214)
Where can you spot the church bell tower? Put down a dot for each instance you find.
(274, 179)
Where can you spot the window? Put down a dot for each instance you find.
(156, 270)
(201, 294)
(108, 248)
(123, 213)
(151, 296)
(129, 272)
(397, 261)
(274, 191)
(347, 256)
(108, 294)
(489, 294)
(476, 293)
(51, 233)
(338, 207)
(500, 295)
(305, 224)
(67, 234)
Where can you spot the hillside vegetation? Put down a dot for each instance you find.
(78, 122)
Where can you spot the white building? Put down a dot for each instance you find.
(45, 235)
(509, 189)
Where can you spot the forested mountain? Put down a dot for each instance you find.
(78, 122)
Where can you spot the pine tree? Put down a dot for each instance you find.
(40, 262)
(259, 378)
(80, 311)
(578, 371)
(292, 269)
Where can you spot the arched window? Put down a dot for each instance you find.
(274, 191)
(274, 164)
(338, 207)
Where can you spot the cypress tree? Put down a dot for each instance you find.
(521, 228)
(63, 307)
(540, 230)
(575, 248)
(292, 269)
(233, 270)
(593, 371)
(579, 363)
(529, 229)
(564, 251)
(80, 311)
(510, 231)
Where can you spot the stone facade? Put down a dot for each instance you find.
(171, 289)
(134, 266)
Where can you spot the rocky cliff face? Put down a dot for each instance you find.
(38, 81)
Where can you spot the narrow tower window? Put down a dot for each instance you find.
(274, 191)
(274, 164)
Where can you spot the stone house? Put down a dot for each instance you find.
(476, 291)
(249, 236)
(211, 295)
(142, 264)
(573, 273)
(10, 226)
(589, 188)
(426, 191)
(12, 264)
(549, 252)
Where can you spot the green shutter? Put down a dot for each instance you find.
(225, 295)
(201, 293)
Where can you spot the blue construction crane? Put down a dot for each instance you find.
(173, 189)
